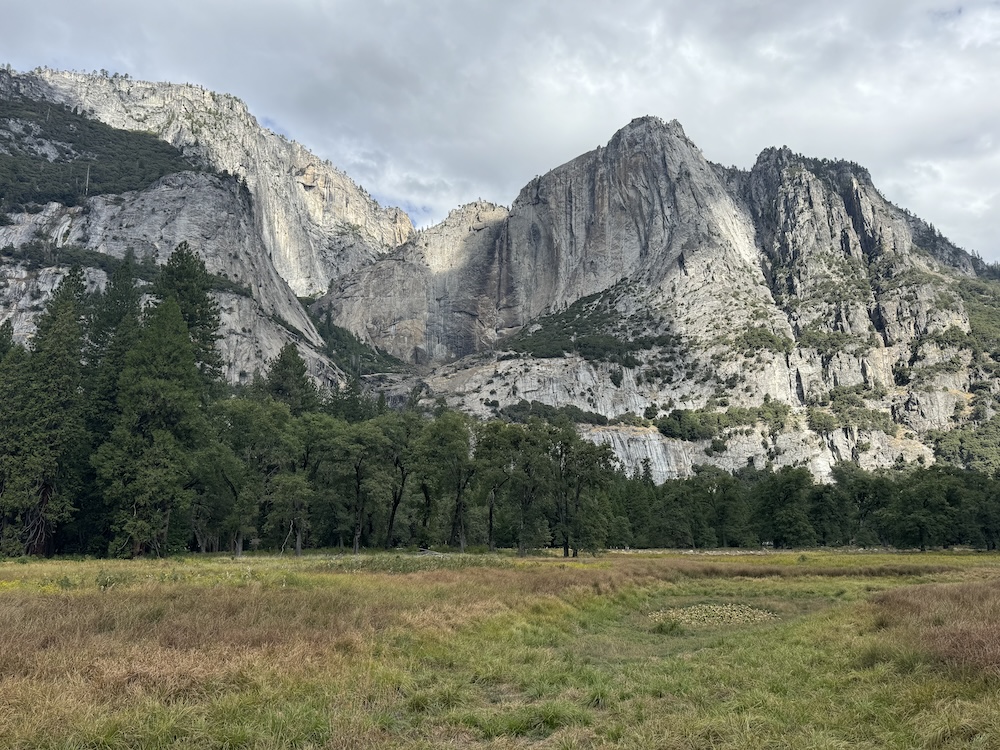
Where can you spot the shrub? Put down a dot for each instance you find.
(827, 343)
(821, 421)
(760, 338)
(704, 424)
(523, 410)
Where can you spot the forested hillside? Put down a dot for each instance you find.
(117, 437)
(564, 360)
(49, 153)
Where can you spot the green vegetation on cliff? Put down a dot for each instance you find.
(48, 153)
(347, 351)
(592, 328)
(705, 424)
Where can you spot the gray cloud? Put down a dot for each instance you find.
(432, 104)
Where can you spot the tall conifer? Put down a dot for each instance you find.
(184, 279)
(145, 466)
(43, 438)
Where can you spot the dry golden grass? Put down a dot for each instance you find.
(401, 651)
(958, 623)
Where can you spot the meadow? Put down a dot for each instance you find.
(808, 649)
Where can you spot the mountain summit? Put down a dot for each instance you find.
(679, 310)
(644, 284)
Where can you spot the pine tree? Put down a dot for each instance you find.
(43, 438)
(288, 381)
(6, 338)
(112, 334)
(184, 279)
(119, 301)
(145, 465)
(16, 397)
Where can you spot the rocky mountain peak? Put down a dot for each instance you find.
(650, 126)
(641, 279)
(785, 315)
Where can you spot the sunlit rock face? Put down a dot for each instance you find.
(631, 282)
(785, 282)
(314, 222)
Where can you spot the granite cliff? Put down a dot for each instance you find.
(211, 214)
(681, 311)
(640, 279)
(313, 220)
(433, 299)
(268, 215)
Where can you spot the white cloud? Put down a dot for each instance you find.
(436, 103)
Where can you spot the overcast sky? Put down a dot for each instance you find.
(432, 103)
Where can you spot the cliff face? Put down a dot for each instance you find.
(213, 215)
(841, 258)
(434, 298)
(637, 283)
(795, 281)
(667, 459)
(314, 222)
(648, 209)
(278, 221)
(793, 250)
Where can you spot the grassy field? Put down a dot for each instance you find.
(799, 650)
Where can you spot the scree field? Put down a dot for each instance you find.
(797, 650)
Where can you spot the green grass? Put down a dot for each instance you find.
(795, 650)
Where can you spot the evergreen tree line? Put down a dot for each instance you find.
(118, 437)
(916, 507)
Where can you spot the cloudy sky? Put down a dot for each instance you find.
(433, 103)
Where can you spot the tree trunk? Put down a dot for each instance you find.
(522, 549)
(397, 499)
(490, 540)
(200, 539)
(563, 505)
(357, 535)
(166, 533)
(428, 509)
(359, 507)
(458, 523)
(461, 533)
(37, 526)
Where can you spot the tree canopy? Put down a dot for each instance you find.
(117, 437)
